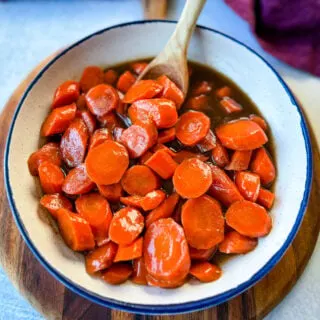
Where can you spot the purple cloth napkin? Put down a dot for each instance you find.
(288, 29)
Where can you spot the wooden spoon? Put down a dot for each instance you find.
(172, 60)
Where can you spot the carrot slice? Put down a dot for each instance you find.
(117, 133)
(139, 272)
(75, 230)
(101, 258)
(166, 253)
(205, 271)
(125, 81)
(126, 225)
(153, 282)
(203, 222)
(89, 119)
(224, 92)
(131, 251)
(234, 242)
(152, 200)
(110, 77)
(259, 120)
(107, 162)
(220, 155)
(239, 160)
(182, 155)
(138, 67)
(241, 135)
(53, 202)
(91, 77)
(67, 93)
(198, 103)
(111, 192)
(144, 89)
(249, 219)
(160, 146)
(223, 188)
(51, 177)
(132, 201)
(58, 120)
(192, 178)
(167, 135)
(202, 254)
(265, 198)
(145, 157)
(99, 136)
(109, 121)
(248, 184)
(118, 273)
(202, 87)
(102, 99)
(77, 181)
(208, 143)
(139, 180)
(192, 127)
(229, 105)
(263, 166)
(164, 210)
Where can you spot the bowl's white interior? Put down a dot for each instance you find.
(146, 40)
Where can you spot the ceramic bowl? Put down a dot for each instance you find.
(143, 39)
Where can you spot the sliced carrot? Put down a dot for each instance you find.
(162, 163)
(101, 258)
(164, 210)
(102, 99)
(126, 226)
(109, 121)
(144, 89)
(118, 273)
(107, 162)
(110, 77)
(117, 133)
(241, 134)
(81, 102)
(240, 160)
(73, 144)
(88, 119)
(91, 77)
(75, 230)
(249, 219)
(111, 192)
(198, 103)
(132, 201)
(220, 155)
(202, 254)
(139, 272)
(202, 87)
(205, 271)
(229, 105)
(131, 251)
(125, 81)
(182, 155)
(139, 180)
(192, 127)
(167, 135)
(192, 178)
(99, 136)
(234, 242)
(77, 181)
(166, 252)
(53, 202)
(208, 143)
(51, 177)
(248, 184)
(223, 188)
(160, 146)
(58, 120)
(67, 93)
(259, 120)
(224, 92)
(153, 282)
(138, 67)
(152, 200)
(145, 157)
(265, 198)
(262, 165)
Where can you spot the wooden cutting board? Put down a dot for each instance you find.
(55, 301)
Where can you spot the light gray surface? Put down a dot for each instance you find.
(32, 30)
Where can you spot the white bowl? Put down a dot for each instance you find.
(143, 39)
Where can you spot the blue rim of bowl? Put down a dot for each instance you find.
(172, 308)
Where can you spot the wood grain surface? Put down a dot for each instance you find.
(55, 301)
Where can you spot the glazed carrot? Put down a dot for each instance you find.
(75, 230)
(241, 134)
(249, 219)
(131, 201)
(111, 192)
(139, 272)
(202, 254)
(265, 198)
(145, 157)
(126, 225)
(96, 210)
(208, 143)
(109, 121)
(203, 222)
(162, 112)
(152, 200)
(77, 181)
(49, 152)
(110, 77)
(138, 67)
(192, 178)
(67, 93)
(153, 282)
(130, 252)
(229, 105)
(224, 92)
(205, 271)
(118, 273)
(198, 103)
(58, 120)
(53, 202)
(89, 119)
(248, 184)
(171, 91)
(262, 165)
(99, 136)
(202, 87)
(117, 133)
(234, 242)
(220, 155)
(125, 81)
(164, 210)
(162, 163)
(107, 162)
(223, 188)
(102, 99)
(91, 77)
(101, 258)
(182, 155)
(138, 138)
(166, 253)
(81, 102)
(139, 180)
(73, 143)
(259, 120)
(192, 127)
(240, 160)
(167, 135)
(51, 177)
(144, 89)
(160, 146)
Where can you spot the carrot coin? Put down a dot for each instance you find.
(266, 198)
(131, 251)
(125, 81)
(111, 192)
(91, 77)
(202, 254)
(248, 184)
(110, 77)
(138, 67)
(182, 155)
(144, 89)
(118, 273)
(54, 202)
(99, 136)
(51, 177)
(67, 93)
(139, 271)
(234, 242)
(205, 271)
(152, 200)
